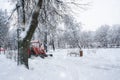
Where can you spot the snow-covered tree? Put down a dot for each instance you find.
(72, 31)
(101, 36)
(114, 36)
(43, 12)
(3, 28)
(86, 39)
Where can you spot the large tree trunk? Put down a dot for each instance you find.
(45, 42)
(25, 42)
(23, 12)
(53, 44)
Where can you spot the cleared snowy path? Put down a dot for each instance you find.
(100, 64)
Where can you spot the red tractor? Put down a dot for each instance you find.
(37, 49)
(2, 50)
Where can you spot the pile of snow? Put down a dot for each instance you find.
(96, 64)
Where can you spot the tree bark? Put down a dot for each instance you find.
(45, 42)
(53, 44)
(25, 42)
(23, 12)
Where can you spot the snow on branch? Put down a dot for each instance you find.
(17, 6)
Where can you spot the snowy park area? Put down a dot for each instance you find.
(60, 40)
(96, 64)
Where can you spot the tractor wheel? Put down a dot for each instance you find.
(42, 56)
(45, 55)
(29, 55)
(51, 55)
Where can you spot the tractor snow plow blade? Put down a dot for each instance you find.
(51, 55)
(46, 55)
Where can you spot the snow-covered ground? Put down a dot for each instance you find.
(96, 64)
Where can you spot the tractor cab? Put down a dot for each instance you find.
(37, 49)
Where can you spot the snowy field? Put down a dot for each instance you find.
(96, 64)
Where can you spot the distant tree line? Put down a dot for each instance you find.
(104, 37)
(107, 36)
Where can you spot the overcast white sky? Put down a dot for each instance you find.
(101, 12)
(4, 4)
